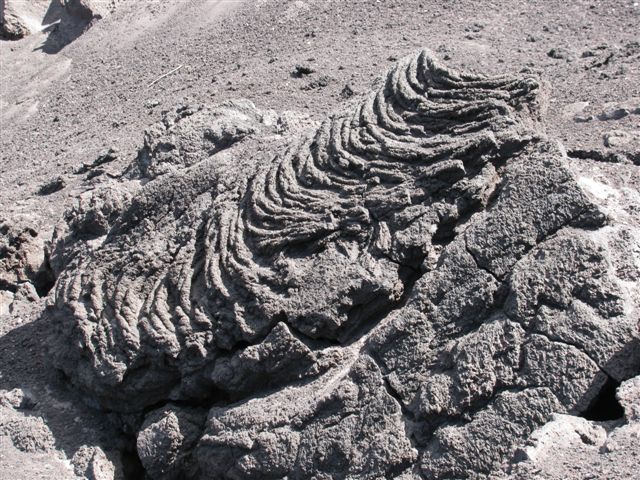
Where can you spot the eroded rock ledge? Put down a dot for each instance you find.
(406, 290)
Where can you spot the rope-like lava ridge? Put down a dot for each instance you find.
(142, 320)
(424, 115)
(361, 166)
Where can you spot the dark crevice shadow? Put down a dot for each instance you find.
(623, 365)
(605, 405)
(45, 278)
(132, 468)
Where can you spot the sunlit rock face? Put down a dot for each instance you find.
(405, 290)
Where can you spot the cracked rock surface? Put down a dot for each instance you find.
(407, 289)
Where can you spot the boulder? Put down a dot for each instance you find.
(21, 18)
(407, 289)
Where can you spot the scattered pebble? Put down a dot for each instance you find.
(302, 70)
(6, 299)
(26, 293)
(616, 138)
(475, 28)
(17, 399)
(109, 156)
(347, 92)
(52, 186)
(613, 113)
(560, 53)
(573, 109)
(151, 103)
(321, 82)
(583, 118)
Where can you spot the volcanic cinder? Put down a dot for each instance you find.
(406, 290)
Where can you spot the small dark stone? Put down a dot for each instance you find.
(616, 138)
(95, 173)
(475, 28)
(613, 114)
(52, 186)
(301, 70)
(582, 118)
(559, 53)
(347, 92)
(321, 82)
(107, 157)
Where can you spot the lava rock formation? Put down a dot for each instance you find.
(406, 290)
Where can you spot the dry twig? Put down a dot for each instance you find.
(164, 75)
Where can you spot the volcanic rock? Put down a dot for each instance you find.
(22, 256)
(406, 290)
(302, 70)
(52, 186)
(26, 433)
(21, 18)
(93, 463)
(617, 138)
(13, 27)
